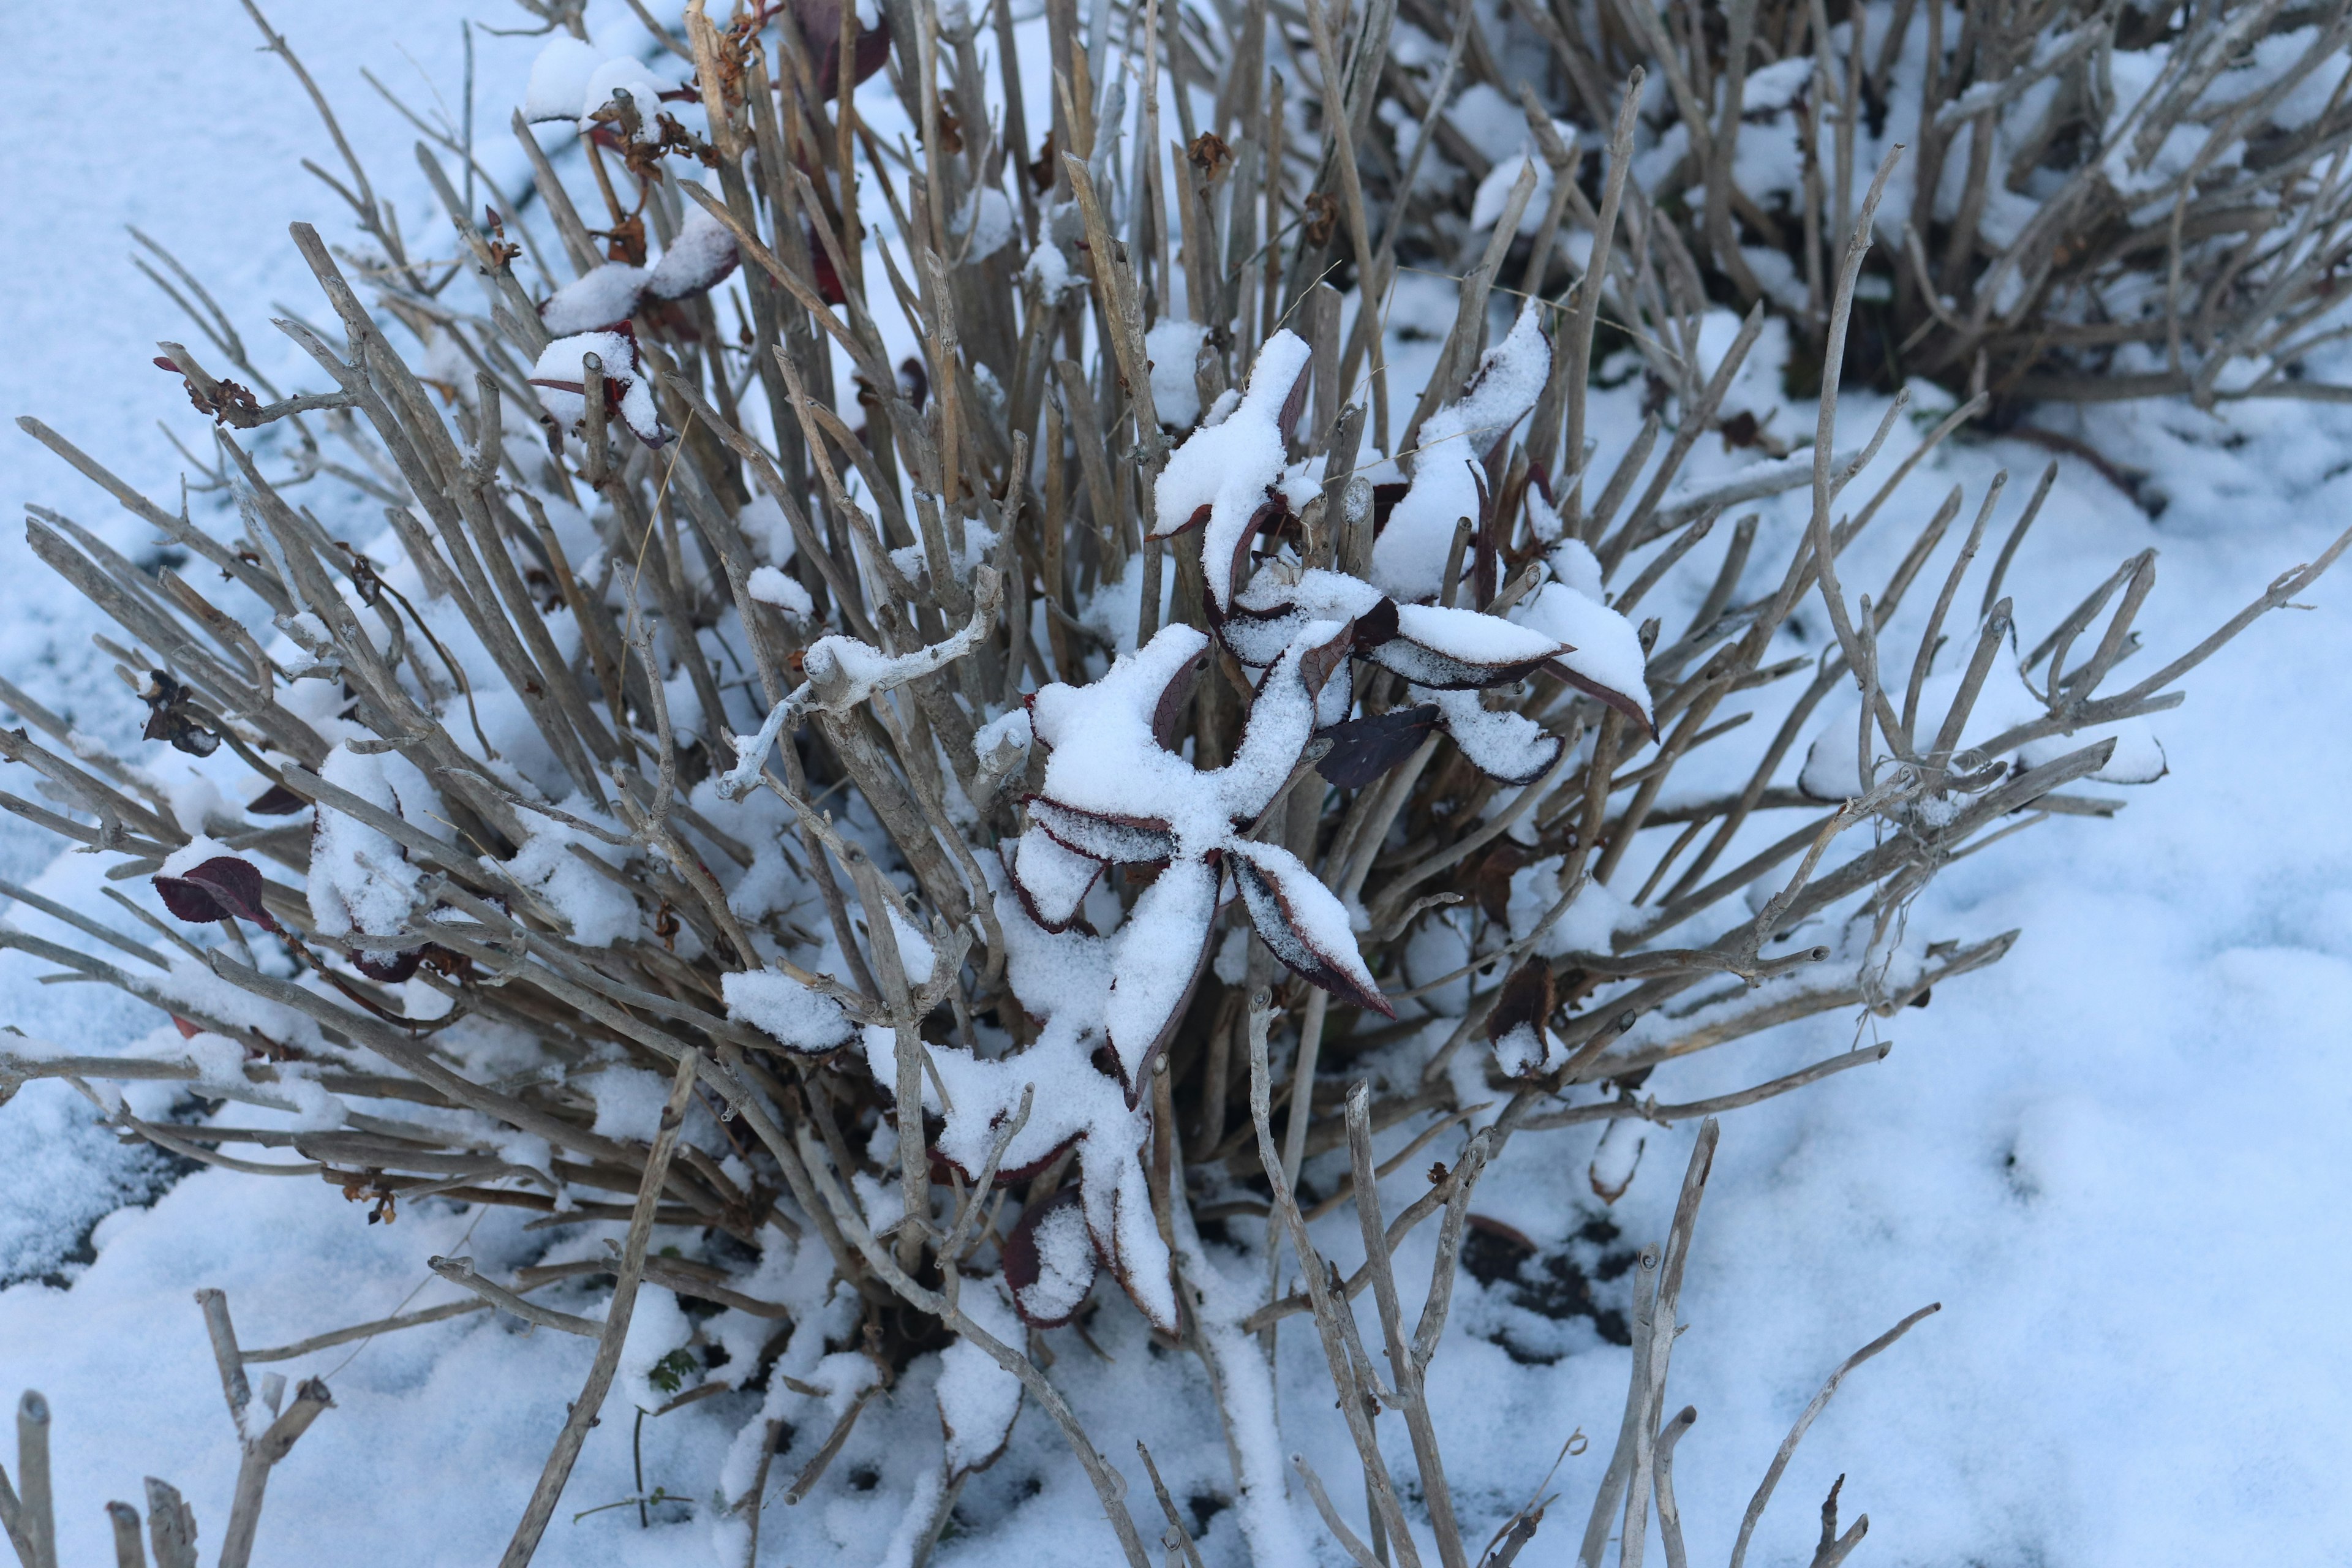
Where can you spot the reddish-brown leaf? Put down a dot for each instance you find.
(223, 888)
(1363, 749)
(277, 801)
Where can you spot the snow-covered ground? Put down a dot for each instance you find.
(2117, 1158)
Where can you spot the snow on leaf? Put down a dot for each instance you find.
(1267, 615)
(1502, 744)
(1304, 924)
(1457, 651)
(1101, 835)
(1113, 792)
(628, 394)
(1063, 980)
(1408, 556)
(1159, 952)
(2138, 757)
(1223, 473)
(1601, 651)
(1051, 877)
(559, 79)
(701, 256)
(604, 296)
(1616, 1159)
(978, 1399)
(1516, 1027)
(1049, 1261)
(360, 883)
(771, 586)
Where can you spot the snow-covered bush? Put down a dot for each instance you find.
(2096, 201)
(923, 724)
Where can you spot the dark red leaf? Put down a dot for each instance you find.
(1049, 1261)
(277, 801)
(1294, 405)
(1170, 705)
(828, 282)
(1491, 882)
(820, 25)
(1319, 662)
(223, 888)
(391, 968)
(1526, 1001)
(1363, 749)
(1376, 625)
(1199, 519)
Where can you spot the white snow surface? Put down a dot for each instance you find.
(2116, 1157)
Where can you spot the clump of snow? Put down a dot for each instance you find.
(600, 911)
(629, 1102)
(1586, 925)
(559, 79)
(560, 374)
(702, 253)
(1048, 271)
(572, 79)
(604, 296)
(771, 586)
(623, 73)
(983, 225)
(360, 883)
(1174, 347)
(780, 1006)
